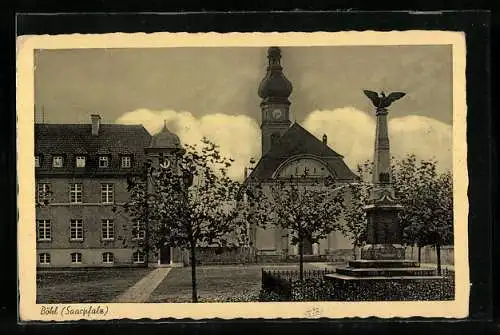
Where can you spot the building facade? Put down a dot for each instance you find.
(290, 150)
(81, 173)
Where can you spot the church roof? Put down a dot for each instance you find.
(298, 141)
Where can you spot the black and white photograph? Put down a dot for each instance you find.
(223, 173)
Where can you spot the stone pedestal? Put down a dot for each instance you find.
(382, 262)
(383, 252)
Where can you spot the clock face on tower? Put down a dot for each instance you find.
(277, 113)
(165, 164)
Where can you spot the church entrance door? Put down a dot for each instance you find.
(307, 247)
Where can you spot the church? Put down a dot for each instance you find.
(289, 149)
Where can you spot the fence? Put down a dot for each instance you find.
(215, 255)
(428, 254)
(249, 255)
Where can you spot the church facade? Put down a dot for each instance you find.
(290, 150)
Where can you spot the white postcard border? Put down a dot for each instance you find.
(30, 311)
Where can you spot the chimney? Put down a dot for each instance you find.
(325, 139)
(96, 122)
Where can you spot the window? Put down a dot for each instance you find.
(75, 193)
(44, 230)
(108, 230)
(80, 161)
(76, 258)
(138, 231)
(138, 257)
(76, 230)
(37, 161)
(44, 258)
(103, 161)
(43, 192)
(107, 193)
(57, 161)
(126, 162)
(108, 258)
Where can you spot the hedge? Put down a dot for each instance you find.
(320, 289)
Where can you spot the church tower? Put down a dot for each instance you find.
(274, 90)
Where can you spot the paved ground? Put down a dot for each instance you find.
(218, 283)
(141, 291)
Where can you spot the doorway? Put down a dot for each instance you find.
(165, 254)
(307, 247)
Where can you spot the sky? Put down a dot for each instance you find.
(212, 92)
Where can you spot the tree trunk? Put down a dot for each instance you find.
(301, 260)
(438, 254)
(193, 273)
(419, 254)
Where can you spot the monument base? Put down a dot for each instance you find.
(380, 268)
(383, 273)
(383, 252)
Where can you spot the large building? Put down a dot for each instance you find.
(81, 173)
(290, 150)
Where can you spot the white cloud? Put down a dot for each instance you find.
(237, 135)
(351, 133)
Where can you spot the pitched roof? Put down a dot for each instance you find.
(298, 141)
(69, 140)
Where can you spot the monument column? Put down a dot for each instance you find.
(384, 238)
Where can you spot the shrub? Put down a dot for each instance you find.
(318, 289)
(267, 296)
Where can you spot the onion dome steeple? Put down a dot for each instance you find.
(275, 84)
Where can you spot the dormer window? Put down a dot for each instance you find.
(126, 162)
(37, 161)
(57, 161)
(103, 161)
(80, 161)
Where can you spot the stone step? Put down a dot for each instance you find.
(385, 272)
(340, 277)
(369, 263)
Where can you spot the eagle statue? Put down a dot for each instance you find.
(382, 101)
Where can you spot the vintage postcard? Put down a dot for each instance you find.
(242, 175)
